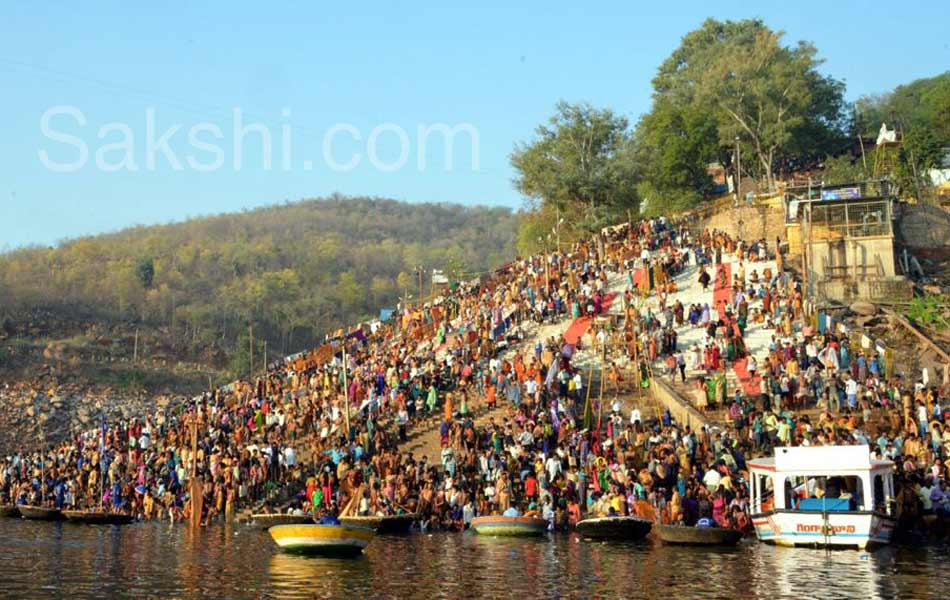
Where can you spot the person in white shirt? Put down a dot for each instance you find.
(811, 351)
(290, 457)
(635, 416)
(711, 480)
(531, 387)
(578, 385)
(553, 467)
(922, 419)
(851, 389)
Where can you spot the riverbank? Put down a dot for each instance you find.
(327, 429)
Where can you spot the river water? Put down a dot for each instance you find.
(152, 560)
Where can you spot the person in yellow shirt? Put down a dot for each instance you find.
(792, 368)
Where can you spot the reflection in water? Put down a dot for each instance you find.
(849, 574)
(293, 576)
(153, 560)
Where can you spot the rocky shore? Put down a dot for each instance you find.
(30, 415)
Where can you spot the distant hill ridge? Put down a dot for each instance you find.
(290, 271)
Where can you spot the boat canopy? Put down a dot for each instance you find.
(821, 459)
(798, 473)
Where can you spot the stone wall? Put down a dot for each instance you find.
(923, 226)
(877, 289)
(683, 412)
(760, 220)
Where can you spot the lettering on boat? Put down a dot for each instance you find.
(805, 528)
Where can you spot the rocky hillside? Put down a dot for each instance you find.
(151, 313)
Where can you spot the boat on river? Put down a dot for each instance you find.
(322, 540)
(614, 528)
(680, 535)
(509, 526)
(383, 524)
(823, 496)
(97, 517)
(40, 513)
(268, 520)
(9, 510)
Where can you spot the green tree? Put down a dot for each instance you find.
(674, 145)
(240, 360)
(920, 112)
(768, 95)
(843, 169)
(145, 271)
(577, 164)
(382, 288)
(456, 268)
(350, 294)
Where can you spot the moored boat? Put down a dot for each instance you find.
(823, 496)
(268, 520)
(97, 517)
(614, 528)
(388, 524)
(9, 510)
(323, 540)
(40, 513)
(697, 536)
(509, 526)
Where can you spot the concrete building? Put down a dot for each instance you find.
(847, 243)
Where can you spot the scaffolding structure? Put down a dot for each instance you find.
(885, 152)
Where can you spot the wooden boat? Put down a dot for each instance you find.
(697, 536)
(509, 526)
(323, 540)
(40, 513)
(268, 520)
(97, 517)
(614, 528)
(389, 524)
(9, 510)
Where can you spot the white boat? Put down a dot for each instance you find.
(823, 496)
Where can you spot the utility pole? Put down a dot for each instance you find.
(250, 346)
(544, 256)
(346, 390)
(738, 170)
(420, 271)
(265, 357)
(196, 486)
(864, 160)
(135, 349)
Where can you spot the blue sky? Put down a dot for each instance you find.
(495, 67)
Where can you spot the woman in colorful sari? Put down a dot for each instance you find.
(720, 387)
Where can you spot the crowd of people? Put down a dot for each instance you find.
(325, 431)
(814, 383)
(542, 450)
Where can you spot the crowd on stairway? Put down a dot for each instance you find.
(807, 381)
(321, 428)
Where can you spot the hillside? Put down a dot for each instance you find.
(189, 291)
